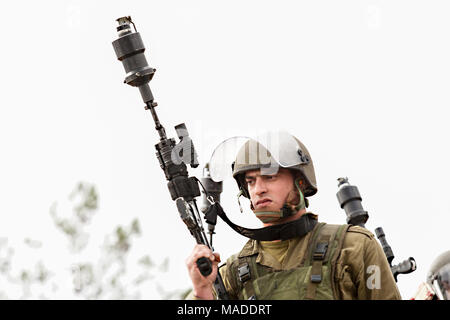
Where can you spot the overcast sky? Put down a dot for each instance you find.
(364, 85)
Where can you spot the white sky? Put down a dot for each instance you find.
(364, 84)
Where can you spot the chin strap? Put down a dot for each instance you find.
(297, 228)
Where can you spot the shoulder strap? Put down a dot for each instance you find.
(245, 276)
(339, 240)
(325, 250)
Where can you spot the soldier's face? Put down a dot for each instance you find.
(270, 192)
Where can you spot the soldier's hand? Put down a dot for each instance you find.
(202, 285)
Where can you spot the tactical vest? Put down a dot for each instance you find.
(313, 279)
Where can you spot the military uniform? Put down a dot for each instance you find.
(307, 261)
(354, 267)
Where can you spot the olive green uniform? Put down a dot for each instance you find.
(282, 269)
(361, 270)
(329, 262)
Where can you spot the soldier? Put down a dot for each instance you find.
(439, 275)
(309, 260)
(437, 285)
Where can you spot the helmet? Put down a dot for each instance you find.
(237, 155)
(439, 275)
(275, 150)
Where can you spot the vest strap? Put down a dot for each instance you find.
(244, 272)
(319, 254)
(245, 278)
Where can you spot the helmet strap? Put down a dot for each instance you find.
(241, 192)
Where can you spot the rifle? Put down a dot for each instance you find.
(173, 157)
(212, 189)
(350, 199)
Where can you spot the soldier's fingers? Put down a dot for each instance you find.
(203, 251)
(199, 252)
(216, 257)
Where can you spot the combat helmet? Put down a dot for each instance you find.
(268, 152)
(439, 275)
(276, 150)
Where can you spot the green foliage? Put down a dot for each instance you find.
(108, 277)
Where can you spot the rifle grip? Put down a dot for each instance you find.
(204, 265)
